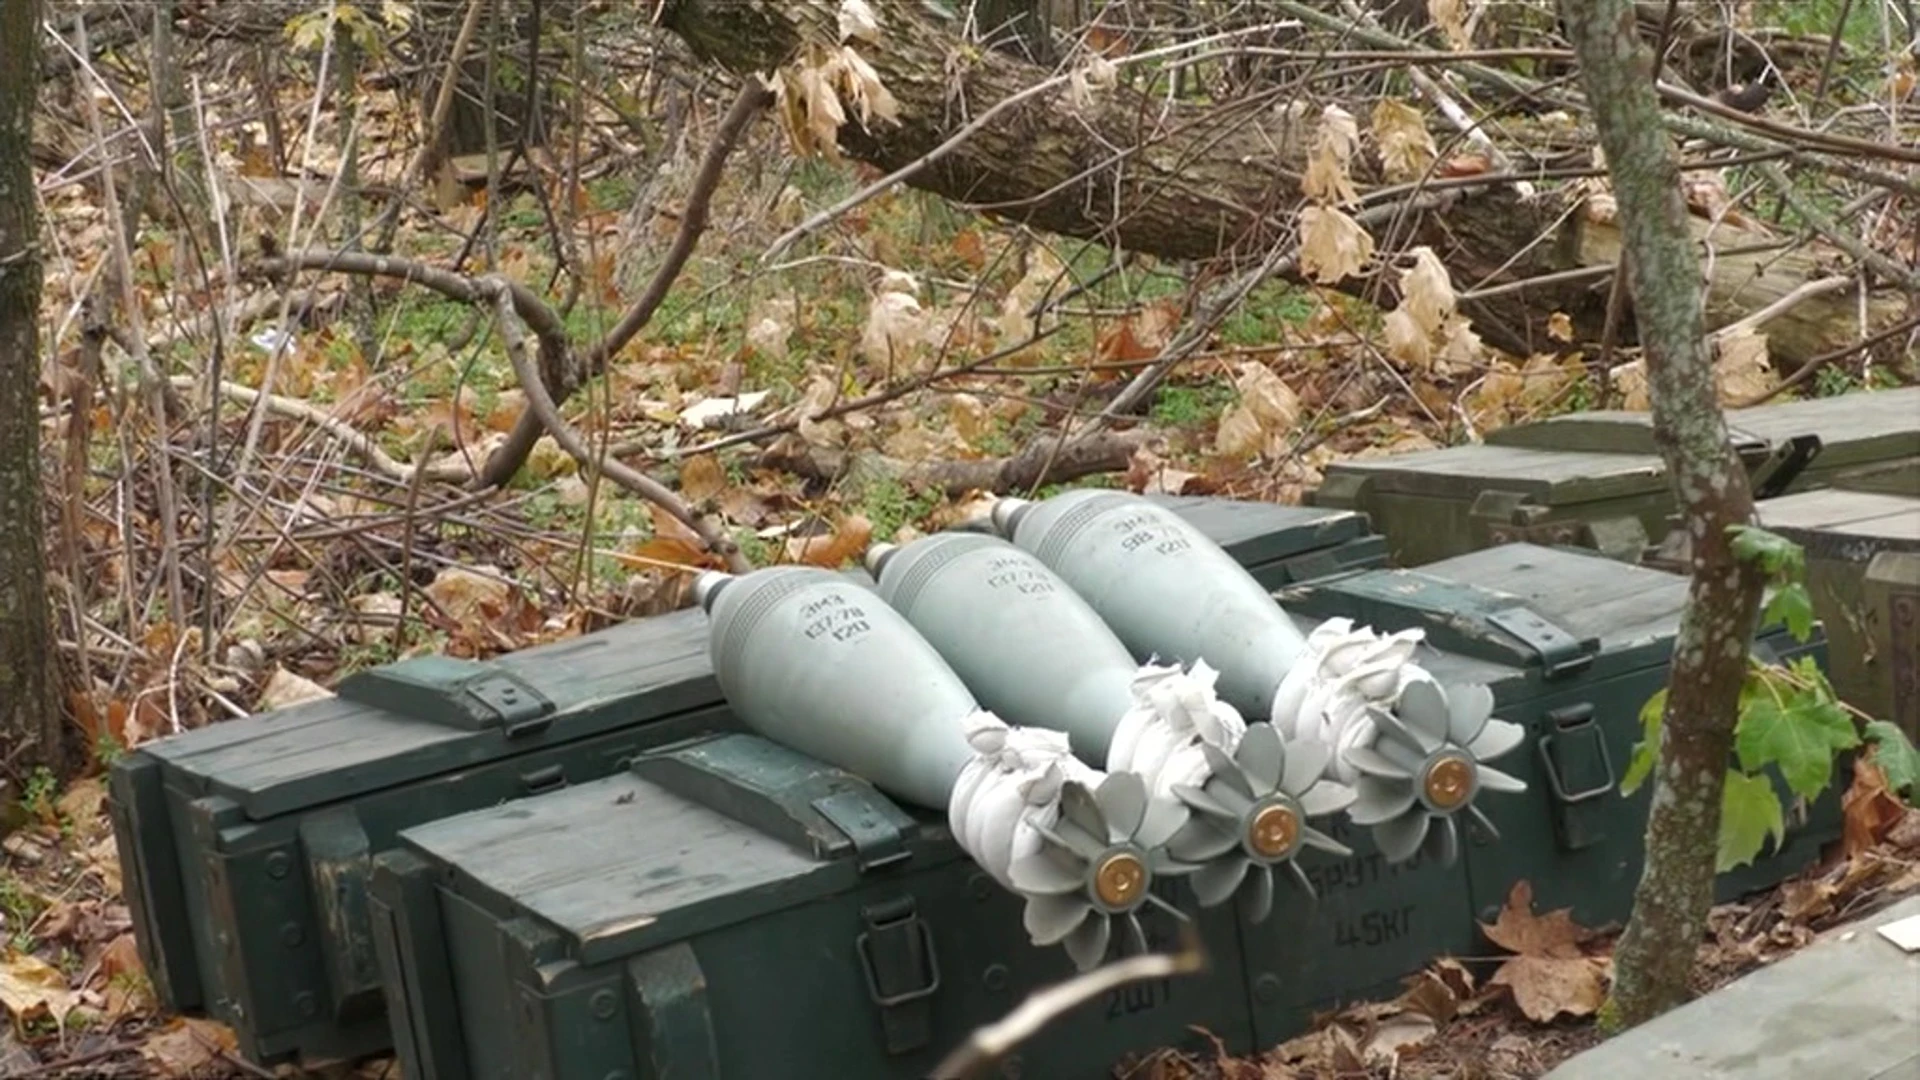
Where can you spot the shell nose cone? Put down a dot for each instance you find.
(1004, 512)
(877, 557)
(707, 586)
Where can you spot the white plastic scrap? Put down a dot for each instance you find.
(1326, 695)
(1012, 783)
(1174, 714)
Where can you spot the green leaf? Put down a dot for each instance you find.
(1895, 755)
(1791, 605)
(1776, 554)
(1798, 732)
(1644, 751)
(1749, 812)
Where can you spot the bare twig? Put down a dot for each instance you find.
(1041, 461)
(994, 1041)
(1818, 220)
(429, 151)
(541, 405)
(358, 442)
(752, 98)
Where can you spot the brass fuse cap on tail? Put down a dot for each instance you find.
(1120, 879)
(1449, 782)
(1273, 831)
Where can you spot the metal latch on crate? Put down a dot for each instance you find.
(454, 692)
(902, 970)
(1560, 652)
(877, 841)
(1578, 768)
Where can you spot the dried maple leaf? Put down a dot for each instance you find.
(1740, 367)
(1329, 177)
(1333, 246)
(285, 689)
(1550, 975)
(1426, 290)
(1451, 17)
(1868, 811)
(29, 985)
(1407, 341)
(1406, 147)
(847, 541)
(1546, 986)
(187, 1045)
(1518, 930)
(701, 478)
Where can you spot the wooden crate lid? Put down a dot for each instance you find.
(1547, 477)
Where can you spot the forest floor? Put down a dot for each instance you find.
(333, 532)
(1511, 1014)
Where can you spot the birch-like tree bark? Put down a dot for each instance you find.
(32, 726)
(1656, 954)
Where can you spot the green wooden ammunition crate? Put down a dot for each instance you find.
(650, 925)
(245, 845)
(1866, 441)
(1863, 572)
(731, 908)
(1572, 645)
(1596, 478)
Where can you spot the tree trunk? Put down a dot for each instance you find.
(1656, 955)
(31, 723)
(1185, 182)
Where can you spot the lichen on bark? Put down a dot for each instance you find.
(32, 725)
(1655, 957)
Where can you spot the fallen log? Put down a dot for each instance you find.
(1223, 182)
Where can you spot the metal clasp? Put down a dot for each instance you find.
(1574, 744)
(897, 956)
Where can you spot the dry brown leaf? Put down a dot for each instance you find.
(83, 805)
(1406, 147)
(1464, 165)
(1442, 991)
(507, 408)
(285, 689)
(186, 1045)
(969, 417)
(1518, 930)
(1139, 336)
(1407, 341)
(1740, 367)
(470, 596)
(1333, 246)
(1868, 810)
(1266, 412)
(857, 21)
(1546, 986)
(847, 541)
(1461, 346)
(1560, 326)
(1451, 17)
(863, 89)
(701, 478)
(1426, 291)
(1329, 176)
(1630, 381)
(664, 552)
(896, 329)
(29, 985)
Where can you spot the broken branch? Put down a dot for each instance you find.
(541, 406)
(1045, 460)
(512, 454)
